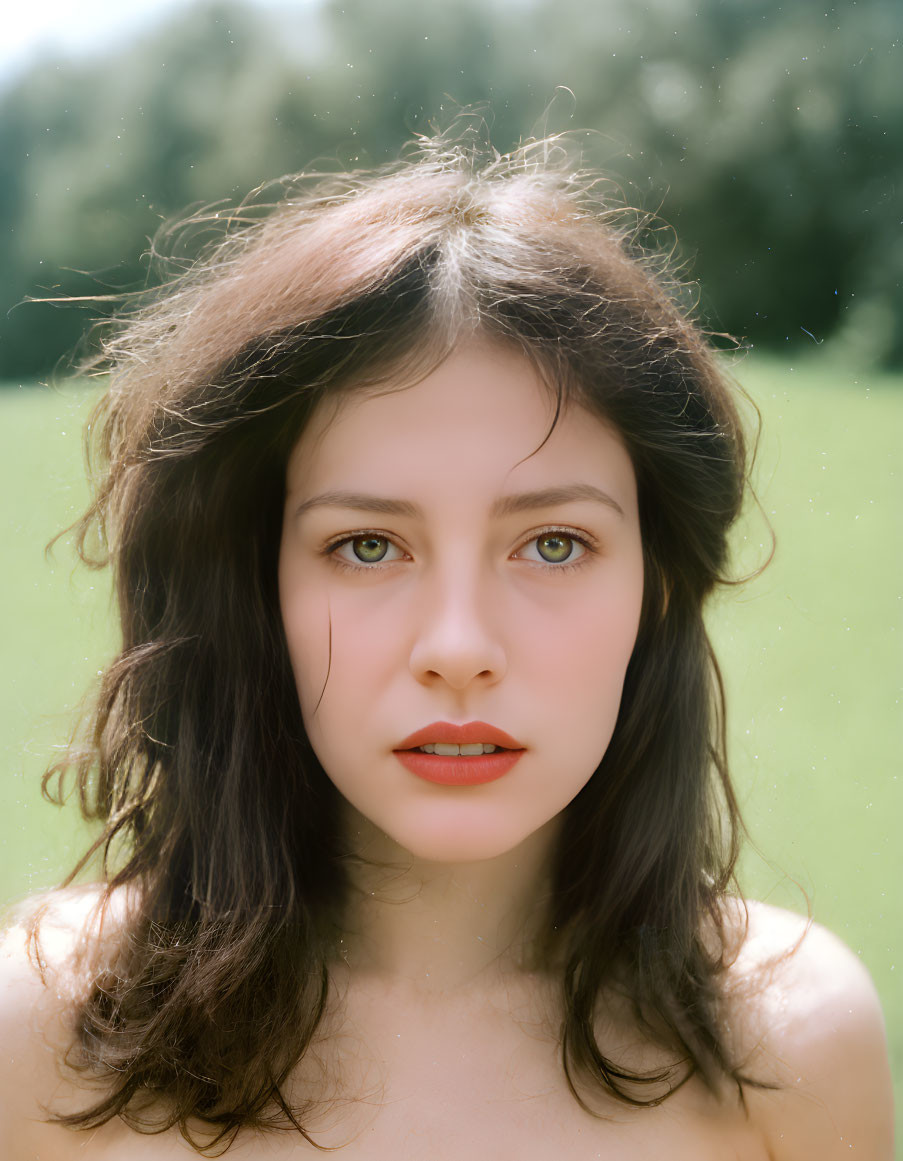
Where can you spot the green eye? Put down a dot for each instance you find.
(366, 549)
(370, 549)
(554, 547)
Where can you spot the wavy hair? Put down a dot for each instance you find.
(213, 805)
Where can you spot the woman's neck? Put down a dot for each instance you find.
(442, 927)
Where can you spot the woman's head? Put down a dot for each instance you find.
(346, 297)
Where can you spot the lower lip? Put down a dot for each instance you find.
(460, 770)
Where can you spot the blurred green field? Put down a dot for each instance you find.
(811, 651)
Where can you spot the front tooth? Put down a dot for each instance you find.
(451, 750)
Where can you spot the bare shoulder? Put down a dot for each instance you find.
(805, 1019)
(45, 958)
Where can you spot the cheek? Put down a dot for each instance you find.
(583, 685)
(341, 656)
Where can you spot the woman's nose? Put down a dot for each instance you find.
(459, 640)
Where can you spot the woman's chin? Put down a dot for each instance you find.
(460, 840)
(456, 849)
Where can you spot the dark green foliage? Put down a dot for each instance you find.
(769, 135)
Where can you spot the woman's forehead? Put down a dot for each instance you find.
(484, 420)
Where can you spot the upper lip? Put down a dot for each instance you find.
(469, 732)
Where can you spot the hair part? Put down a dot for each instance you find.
(212, 802)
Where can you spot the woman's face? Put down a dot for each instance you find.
(447, 577)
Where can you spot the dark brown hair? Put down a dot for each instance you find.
(212, 802)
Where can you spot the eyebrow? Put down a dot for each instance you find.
(504, 506)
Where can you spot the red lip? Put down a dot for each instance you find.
(469, 732)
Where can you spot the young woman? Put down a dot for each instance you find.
(417, 824)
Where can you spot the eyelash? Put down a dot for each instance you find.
(587, 543)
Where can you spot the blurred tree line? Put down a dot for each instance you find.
(769, 135)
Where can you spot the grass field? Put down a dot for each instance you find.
(811, 651)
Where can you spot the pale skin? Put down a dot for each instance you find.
(434, 569)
